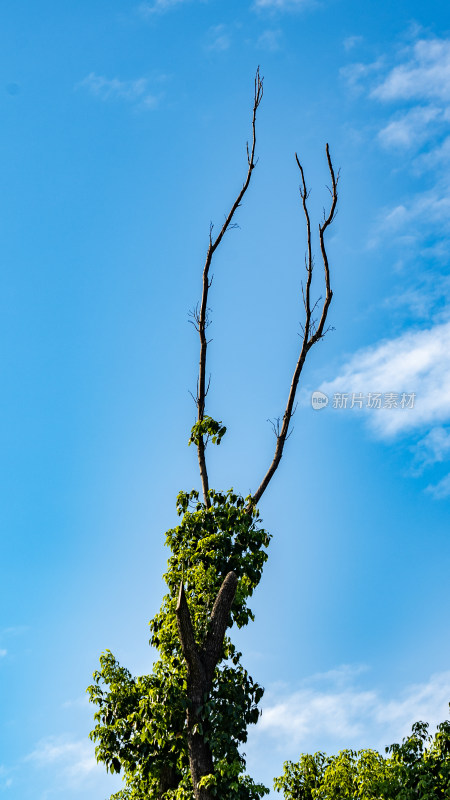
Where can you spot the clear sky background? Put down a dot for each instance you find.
(123, 130)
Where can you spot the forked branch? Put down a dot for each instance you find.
(219, 621)
(202, 662)
(187, 637)
(202, 318)
(312, 332)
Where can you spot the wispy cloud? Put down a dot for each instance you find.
(413, 85)
(418, 230)
(63, 764)
(356, 74)
(14, 630)
(8, 633)
(5, 778)
(75, 759)
(415, 362)
(436, 158)
(147, 10)
(282, 5)
(339, 713)
(270, 40)
(424, 211)
(429, 295)
(135, 92)
(218, 38)
(424, 75)
(434, 447)
(440, 490)
(412, 128)
(350, 42)
(79, 702)
(420, 81)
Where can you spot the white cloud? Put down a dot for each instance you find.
(355, 74)
(339, 676)
(415, 362)
(422, 75)
(436, 157)
(426, 210)
(3, 653)
(423, 701)
(434, 447)
(341, 714)
(430, 294)
(75, 758)
(410, 129)
(311, 714)
(63, 764)
(419, 225)
(440, 490)
(133, 91)
(425, 75)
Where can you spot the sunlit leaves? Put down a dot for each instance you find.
(209, 429)
(416, 769)
(141, 722)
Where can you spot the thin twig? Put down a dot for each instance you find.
(202, 317)
(311, 333)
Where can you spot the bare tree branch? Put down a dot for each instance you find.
(311, 333)
(202, 315)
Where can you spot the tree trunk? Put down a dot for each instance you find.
(201, 664)
(200, 756)
(169, 779)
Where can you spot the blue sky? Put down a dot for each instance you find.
(123, 135)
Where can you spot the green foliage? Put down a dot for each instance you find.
(417, 769)
(209, 429)
(141, 722)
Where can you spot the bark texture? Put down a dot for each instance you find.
(169, 779)
(201, 663)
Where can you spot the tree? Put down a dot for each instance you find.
(176, 733)
(417, 769)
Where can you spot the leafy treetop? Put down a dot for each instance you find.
(416, 769)
(141, 722)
